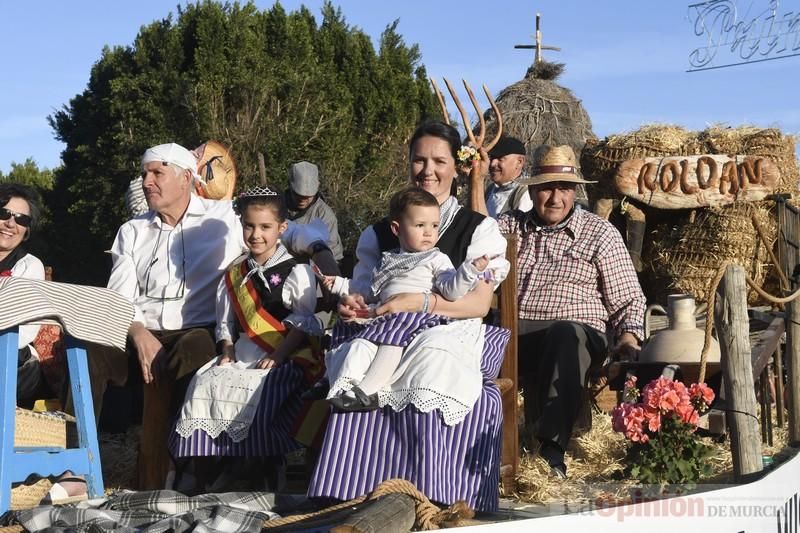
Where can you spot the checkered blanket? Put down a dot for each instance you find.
(154, 512)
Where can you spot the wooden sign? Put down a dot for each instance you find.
(685, 182)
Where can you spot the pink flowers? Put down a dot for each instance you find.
(660, 423)
(661, 398)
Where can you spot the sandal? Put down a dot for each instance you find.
(62, 493)
(362, 402)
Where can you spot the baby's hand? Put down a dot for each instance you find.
(328, 281)
(481, 263)
(226, 359)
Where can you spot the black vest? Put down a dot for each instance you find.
(271, 300)
(453, 242)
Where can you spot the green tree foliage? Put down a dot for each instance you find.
(29, 173)
(267, 82)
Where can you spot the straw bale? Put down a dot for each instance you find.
(683, 257)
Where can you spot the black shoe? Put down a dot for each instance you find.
(362, 402)
(318, 391)
(554, 455)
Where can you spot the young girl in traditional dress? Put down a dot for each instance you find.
(418, 266)
(265, 315)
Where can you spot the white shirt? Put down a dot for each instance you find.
(435, 272)
(170, 274)
(497, 196)
(31, 268)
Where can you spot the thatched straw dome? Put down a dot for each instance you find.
(538, 111)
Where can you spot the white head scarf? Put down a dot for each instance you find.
(174, 154)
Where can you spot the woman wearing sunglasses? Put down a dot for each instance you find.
(19, 214)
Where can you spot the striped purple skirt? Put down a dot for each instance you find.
(447, 463)
(399, 329)
(271, 431)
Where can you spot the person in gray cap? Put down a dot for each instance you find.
(506, 166)
(168, 263)
(305, 204)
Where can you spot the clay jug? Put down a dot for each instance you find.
(683, 341)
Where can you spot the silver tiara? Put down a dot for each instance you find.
(258, 190)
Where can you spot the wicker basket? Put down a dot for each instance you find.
(27, 496)
(50, 429)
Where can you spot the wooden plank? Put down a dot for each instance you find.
(779, 386)
(793, 370)
(685, 182)
(789, 226)
(732, 325)
(509, 455)
(767, 343)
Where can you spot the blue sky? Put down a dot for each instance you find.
(626, 60)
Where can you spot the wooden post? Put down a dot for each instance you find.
(789, 254)
(509, 455)
(792, 363)
(393, 513)
(779, 405)
(732, 323)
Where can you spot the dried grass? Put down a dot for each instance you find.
(595, 466)
(118, 455)
(538, 111)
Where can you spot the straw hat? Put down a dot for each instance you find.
(554, 163)
(217, 171)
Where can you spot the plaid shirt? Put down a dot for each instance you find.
(582, 272)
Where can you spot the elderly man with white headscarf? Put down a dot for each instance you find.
(168, 263)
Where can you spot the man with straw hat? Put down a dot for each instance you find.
(578, 294)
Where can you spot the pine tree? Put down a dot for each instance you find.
(267, 82)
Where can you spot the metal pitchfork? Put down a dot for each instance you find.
(476, 199)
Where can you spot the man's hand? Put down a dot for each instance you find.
(408, 302)
(149, 350)
(627, 347)
(348, 306)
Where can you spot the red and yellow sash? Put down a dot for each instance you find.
(263, 329)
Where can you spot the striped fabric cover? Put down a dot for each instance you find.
(270, 433)
(91, 314)
(447, 463)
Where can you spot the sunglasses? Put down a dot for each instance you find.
(20, 218)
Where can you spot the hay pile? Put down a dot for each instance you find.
(538, 111)
(118, 456)
(595, 468)
(684, 248)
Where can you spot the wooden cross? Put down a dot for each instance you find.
(538, 46)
